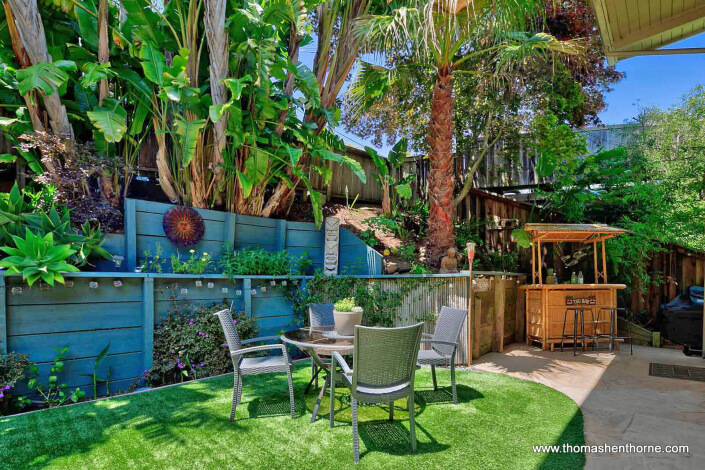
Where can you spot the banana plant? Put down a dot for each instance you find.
(38, 258)
(95, 377)
(385, 174)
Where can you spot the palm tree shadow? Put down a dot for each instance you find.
(445, 395)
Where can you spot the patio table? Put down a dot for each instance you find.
(317, 342)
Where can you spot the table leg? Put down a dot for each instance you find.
(320, 397)
(310, 382)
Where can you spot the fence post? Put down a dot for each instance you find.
(3, 316)
(147, 322)
(498, 328)
(247, 295)
(130, 234)
(521, 310)
(280, 235)
(230, 225)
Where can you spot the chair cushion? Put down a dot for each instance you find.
(431, 357)
(375, 390)
(255, 365)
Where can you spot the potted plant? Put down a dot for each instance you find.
(346, 315)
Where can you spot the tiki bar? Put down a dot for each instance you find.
(570, 285)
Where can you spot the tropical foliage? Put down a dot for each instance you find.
(215, 86)
(441, 39)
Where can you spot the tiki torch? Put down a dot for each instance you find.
(471, 257)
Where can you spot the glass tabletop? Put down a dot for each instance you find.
(320, 337)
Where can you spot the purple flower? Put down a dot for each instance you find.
(2, 394)
(234, 322)
(173, 352)
(206, 335)
(200, 333)
(200, 365)
(180, 366)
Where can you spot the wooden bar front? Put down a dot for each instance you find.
(546, 306)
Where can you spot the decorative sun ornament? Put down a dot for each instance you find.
(183, 226)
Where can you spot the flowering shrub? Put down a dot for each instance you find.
(190, 344)
(13, 368)
(195, 264)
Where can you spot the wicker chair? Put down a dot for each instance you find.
(444, 343)
(318, 315)
(384, 364)
(253, 365)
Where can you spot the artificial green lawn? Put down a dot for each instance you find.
(494, 426)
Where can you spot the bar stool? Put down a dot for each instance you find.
(599, 321)
(578, 319)
(614, 333)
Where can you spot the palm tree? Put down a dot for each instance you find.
(448, 37)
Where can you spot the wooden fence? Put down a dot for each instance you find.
(122, 309)
(495, 303)
(675, 269)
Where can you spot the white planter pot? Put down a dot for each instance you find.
(345, 322)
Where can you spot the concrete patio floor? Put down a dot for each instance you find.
(620, 402)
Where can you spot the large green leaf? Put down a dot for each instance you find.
(380, 163)
(256, 166)
(153, 63)
(187, 134)
(136, 81)
(110, 120)
(143, 21)
(236, 86)
(397, 155)
(88, 23)
(350, 162)
(93, 73)
(404, 190)
(42, 76)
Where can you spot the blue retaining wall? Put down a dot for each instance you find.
(143, 231)
(36, 321)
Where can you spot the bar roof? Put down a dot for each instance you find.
(586, 233)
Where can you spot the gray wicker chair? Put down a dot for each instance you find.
(444, 344)
(384, 364)
(318, 315)
(253, 365)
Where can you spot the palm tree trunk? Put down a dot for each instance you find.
(441, 182)
(217, 37)
(31, 33)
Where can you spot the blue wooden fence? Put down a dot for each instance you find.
(143, 231)
(37, 320)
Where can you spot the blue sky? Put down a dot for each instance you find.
(655, 81)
